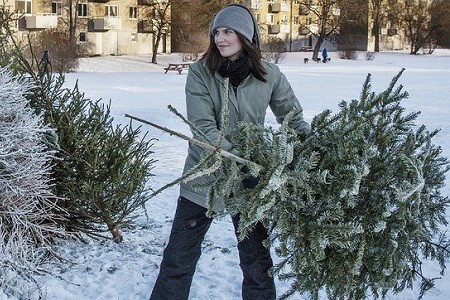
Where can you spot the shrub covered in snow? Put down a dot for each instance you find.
(27, 206)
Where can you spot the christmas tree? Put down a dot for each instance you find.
(101, 169)
(354, 209)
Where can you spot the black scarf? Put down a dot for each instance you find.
(236, 70)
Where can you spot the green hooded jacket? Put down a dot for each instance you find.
(248, 103)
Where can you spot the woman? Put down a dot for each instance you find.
(233, 53)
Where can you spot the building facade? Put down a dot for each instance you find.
(105, 27)
(113, 27)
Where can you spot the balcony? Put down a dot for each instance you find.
(304, 11)
(99, 1)
(274, 29)
(274, 8)
(145, 26)
(41, 21)
(304, 31)
(104, 24)
(146, 2)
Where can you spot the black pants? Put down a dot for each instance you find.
(184, 248)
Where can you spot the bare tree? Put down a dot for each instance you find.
(159, 14)
(384, 14)
(69, 11)
(440, 15)
(376, 12)
(203, 12)
(72, 17)
(422, 19)
(353, 26)
(381, 11)
(327, 15)
(415, 20)
(191, 22)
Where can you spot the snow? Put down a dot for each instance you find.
(134, 86)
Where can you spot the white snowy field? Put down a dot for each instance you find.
(106, 270)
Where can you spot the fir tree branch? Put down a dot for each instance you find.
(444, 248)
(185, 177)
(213, 148)
(225, 115)
(189, 123)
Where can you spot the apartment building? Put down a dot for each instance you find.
(113, 27)
(289, 21)
(105, 27)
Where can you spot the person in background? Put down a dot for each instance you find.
(45, 60)
(324, 55)
(233, 54)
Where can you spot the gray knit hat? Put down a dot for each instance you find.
(235, 17)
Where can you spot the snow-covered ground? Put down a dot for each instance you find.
(106, 270)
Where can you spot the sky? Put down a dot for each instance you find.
(106, 270)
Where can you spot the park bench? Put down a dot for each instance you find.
(305, 49)
(179, 67)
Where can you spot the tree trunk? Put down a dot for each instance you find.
(317, 48)
(115, 231)
(155, 48)
(376, 34)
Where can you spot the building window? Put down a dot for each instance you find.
(133, 12)
(391, 31)
(111, 11)
(82, 10)
(57, 8)
(296, 20)
(270, 19)
(256, 4)
(258, 17)
(82, 37)
(134, 37)
(23, 6)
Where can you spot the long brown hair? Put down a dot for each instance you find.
(213, 59)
